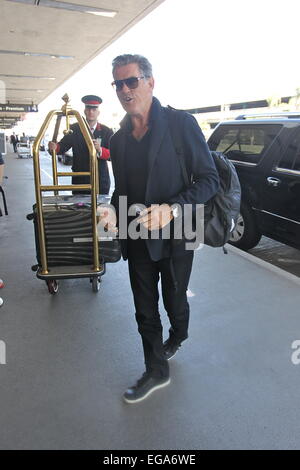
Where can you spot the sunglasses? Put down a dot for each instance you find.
(131, 82)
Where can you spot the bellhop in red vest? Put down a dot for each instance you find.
(101, 136)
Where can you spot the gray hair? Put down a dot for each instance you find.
(125, 59)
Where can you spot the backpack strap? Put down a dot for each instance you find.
(175, 118)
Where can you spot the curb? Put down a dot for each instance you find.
(275, 269)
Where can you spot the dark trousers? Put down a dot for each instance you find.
(144, 277)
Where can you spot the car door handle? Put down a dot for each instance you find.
(273, 181)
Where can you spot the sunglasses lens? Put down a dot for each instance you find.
(132, 82)
(119, 84)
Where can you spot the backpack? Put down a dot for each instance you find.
(222, 210)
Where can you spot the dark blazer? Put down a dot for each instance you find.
(165, 182)
(81, 161)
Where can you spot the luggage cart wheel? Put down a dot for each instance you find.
(96, 283)
(52, 286)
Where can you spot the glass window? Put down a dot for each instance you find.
(291, 157)
(243, 143)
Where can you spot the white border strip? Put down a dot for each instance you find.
(264, 264)
(44, 171)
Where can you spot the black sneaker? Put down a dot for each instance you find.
(144, 387)
(171, 347)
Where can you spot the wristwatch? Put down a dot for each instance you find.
(175, 212)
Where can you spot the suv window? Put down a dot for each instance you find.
(243, 143)
(291, 157)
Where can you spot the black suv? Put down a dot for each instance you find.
(265, 150)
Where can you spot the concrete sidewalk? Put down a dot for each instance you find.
(69, 357)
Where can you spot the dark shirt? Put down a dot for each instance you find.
(136, 156)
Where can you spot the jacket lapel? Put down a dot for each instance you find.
(159, 129)
(121, 162)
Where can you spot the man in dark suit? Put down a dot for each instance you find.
(147, 171)
(101, 136)
(14, 141)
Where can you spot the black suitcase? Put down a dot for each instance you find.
(68, 233)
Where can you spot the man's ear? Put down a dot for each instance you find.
(151, 82)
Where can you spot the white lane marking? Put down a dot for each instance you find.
(49, 176)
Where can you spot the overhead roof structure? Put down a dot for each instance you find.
(45, 42)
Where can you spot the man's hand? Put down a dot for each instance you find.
(156, 217)
(107, 218)
(97, 146)
(52, 146)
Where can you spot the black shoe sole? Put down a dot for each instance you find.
(136, 400)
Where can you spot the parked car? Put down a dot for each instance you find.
(66, 158)
(24, 150)
(265, 150)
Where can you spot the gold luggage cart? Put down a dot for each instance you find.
(52, 274)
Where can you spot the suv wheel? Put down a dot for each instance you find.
(245, 234)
